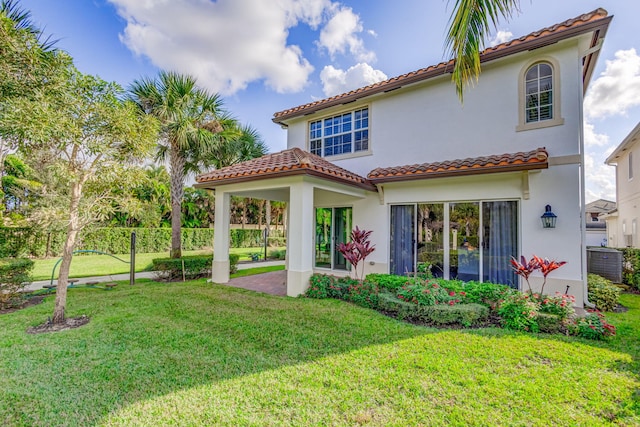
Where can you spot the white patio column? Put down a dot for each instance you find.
(300, 241)
(220, 268)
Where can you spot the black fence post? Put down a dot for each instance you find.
(132, 260)
(265, 235)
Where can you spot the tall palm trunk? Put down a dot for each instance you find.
(176, 163)
(67, 254)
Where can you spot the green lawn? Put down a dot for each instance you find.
(199, 354)
(102, 265)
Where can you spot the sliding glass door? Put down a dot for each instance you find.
(500, 242)
(456, 240)
(402, 239)
(333, 226)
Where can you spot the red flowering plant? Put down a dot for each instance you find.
(524, 269)
(358, 249)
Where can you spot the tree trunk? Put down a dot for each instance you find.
(176, 164)
(67, 254)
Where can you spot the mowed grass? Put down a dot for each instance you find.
(84, 265)
(200, 354)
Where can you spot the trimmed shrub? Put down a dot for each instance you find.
(171, 268)
(278, 254)
(463, 314)
(14, 274)
(602, 292)
(560, 305)
(364, 294)
(390, 282)
(319, 286)
(549, 323)
(389, 303)
(34, 242)
(426, 293)
(233, 263)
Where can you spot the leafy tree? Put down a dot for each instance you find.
(28, 63)
(18, 185)
(470, 23)
(86, 136)
(191, 119)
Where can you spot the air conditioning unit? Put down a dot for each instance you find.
(628, 240)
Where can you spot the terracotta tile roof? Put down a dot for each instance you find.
(596, 21)
(536, 159)
(293, 161)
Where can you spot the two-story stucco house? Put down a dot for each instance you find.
(455, 188)
(622, 224)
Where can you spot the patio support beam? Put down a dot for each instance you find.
(300, 241)
(220, 268)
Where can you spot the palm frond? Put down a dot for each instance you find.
(470, 24)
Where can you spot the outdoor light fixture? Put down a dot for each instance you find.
(548, 218)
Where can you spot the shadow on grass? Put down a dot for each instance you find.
(148, 347)
(157, 338)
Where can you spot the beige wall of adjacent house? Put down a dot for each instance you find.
(624, 230)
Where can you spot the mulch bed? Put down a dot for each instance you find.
(28, 302)
(69, 323)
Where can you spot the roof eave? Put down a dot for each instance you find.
(278, 174)
(460, 172)
(599, 26)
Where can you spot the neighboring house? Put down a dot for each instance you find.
(622, 225)
(460, 188)
(596, 226)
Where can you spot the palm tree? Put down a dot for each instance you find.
(470, 22)
(191, 119)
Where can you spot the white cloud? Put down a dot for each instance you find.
(593, 139)
(336, 81)
(600, 179)
(617, 89)
(226, 44)
(340, 35)
(503, 36)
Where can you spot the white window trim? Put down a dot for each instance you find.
(557, 119)
(367, 152)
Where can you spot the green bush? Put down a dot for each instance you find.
(549, 323)
(631, 270)
(319, 286)
(172, 268)
(594, 327)
(463, 314)
(485, 293)
(518, 312)
(364, 294)
(278, 254)
(426, 293)
(602, 292)
(389, 282)
(14, 274)
(560, 305)
(233, 263)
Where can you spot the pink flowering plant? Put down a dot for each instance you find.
(561, 305)
(594, 326)
(358, 249)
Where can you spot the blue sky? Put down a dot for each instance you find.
(265, 56)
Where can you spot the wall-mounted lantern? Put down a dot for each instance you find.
(548, 218)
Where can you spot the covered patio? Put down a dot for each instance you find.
(297, 177)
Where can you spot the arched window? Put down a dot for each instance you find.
(539, 93)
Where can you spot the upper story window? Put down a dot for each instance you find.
(539, 95)
(341, 134)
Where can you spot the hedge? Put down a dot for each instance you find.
(602, 292)
(194, 266)
(33, 242)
